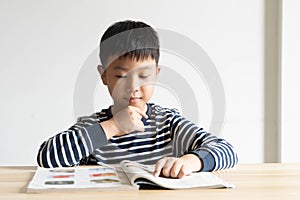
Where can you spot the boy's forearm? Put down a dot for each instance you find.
(207, 160)
(215, 153)
(69, 147)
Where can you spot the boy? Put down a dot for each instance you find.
(132, 128)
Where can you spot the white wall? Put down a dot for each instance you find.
(45, 43)
(290, 136)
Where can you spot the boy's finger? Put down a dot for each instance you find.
(183, 172)
(176, 168)
(158, 167)
(140, 126)
(140, 112)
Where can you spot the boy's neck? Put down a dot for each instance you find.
(116, 109)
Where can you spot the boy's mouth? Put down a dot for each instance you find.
(133, 100)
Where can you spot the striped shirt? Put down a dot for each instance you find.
(166, 133)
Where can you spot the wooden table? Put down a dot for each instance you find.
(252, 181)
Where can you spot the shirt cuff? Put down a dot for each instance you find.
(208, 161)
(97, 135)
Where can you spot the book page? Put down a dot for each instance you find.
(95, 177)
(143, 174)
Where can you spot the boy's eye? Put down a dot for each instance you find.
(121, 76)
(144, 76)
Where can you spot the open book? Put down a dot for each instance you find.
(126, 176)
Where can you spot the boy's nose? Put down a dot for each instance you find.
(133, 84)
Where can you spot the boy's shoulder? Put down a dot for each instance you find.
(160, 110)
(88, 118)
(95, 117)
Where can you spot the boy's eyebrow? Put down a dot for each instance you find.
(139, 68)
(119, 67)
(146, 67)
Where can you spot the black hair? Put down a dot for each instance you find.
(133, 39)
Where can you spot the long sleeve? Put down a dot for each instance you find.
(167, 133)
(215, 153)
(69, 147)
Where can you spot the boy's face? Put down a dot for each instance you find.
(130, 82)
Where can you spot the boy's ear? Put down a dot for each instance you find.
(102, 74)
(157, 70)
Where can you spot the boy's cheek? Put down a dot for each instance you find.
(119, 93)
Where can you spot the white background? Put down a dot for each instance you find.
(45, 43)
(290, 82)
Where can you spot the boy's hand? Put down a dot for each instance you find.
(127, 120)
(130, 119)
(177, 167)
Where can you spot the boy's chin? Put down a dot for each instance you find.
(124, 105)
(137, 105)
(140, 105)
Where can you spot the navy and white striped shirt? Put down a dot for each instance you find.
(166, 133)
